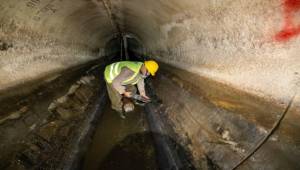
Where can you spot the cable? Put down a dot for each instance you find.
(275, 126)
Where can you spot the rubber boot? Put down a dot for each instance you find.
(122, 114)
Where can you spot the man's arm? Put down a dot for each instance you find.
(124, 75)
(141, 87)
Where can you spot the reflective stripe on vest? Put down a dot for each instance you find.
(133, 80)
(113, 70)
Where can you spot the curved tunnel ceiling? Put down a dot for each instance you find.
(251, 46)
(229, 41)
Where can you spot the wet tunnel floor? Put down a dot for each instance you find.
(121, 144)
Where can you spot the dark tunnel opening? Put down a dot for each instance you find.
(122, 47)
(125, 47)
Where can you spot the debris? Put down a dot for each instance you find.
(62, 100)
(64, 113)
(225, 135)
(75, 100)
(87, 79)
(49, 130)
(73, 89)
(14, 115)
(32, 127)
(58, 102)
(83, 95)
(52, 107)
(274, 138)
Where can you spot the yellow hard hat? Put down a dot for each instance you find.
(151, 66)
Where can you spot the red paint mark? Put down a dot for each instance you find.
(290, 29)
(292, 5)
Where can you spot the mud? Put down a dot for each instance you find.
(121, 143)
(32, 137)
(224, 126)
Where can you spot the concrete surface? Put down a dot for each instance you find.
(45, 132)
(228, 41)
(241, 56)
(207, 123)
(234, 42)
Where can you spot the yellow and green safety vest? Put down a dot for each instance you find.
(113, 70)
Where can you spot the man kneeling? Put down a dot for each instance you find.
(121, 78)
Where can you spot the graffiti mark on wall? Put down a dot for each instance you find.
(32, 3)
(291, 27)
(43, 9)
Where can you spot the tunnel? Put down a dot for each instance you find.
(225, 96)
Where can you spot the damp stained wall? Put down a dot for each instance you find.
(39, 38)
(248, 46)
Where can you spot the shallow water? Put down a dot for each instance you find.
(121, 143)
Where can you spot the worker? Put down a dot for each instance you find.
(121, 78)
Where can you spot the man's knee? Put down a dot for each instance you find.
(131, 89)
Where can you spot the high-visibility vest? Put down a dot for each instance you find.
(113, 70)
